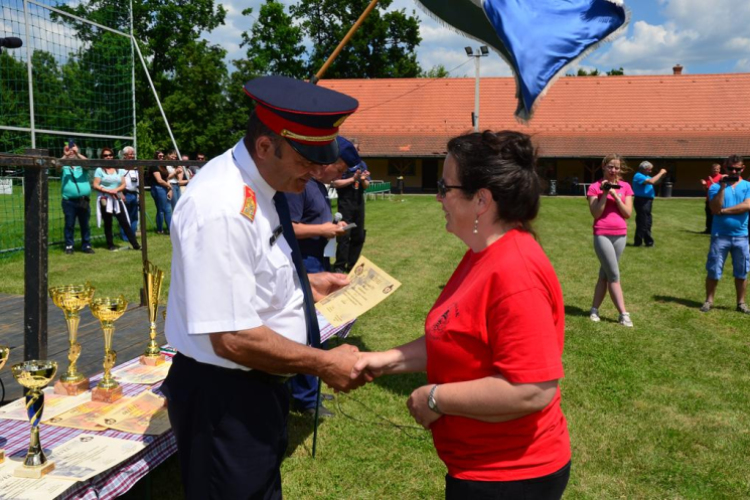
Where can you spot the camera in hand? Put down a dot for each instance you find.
(608, 185)
(730, 179)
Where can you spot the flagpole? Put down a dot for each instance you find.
(315, 79)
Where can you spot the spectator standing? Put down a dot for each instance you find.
(611, 204)
(643, 190)
(351, 195)
(110, 182)
(76, 204)
(175, 176)
(161, 192)
(313, 225)
(131, 193)
(730, 203)
(707, 183)
(195, 169)
(186, 175)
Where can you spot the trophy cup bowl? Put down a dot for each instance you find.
(34, 375)
(107, 310)
(72, 299)
(4, 353)
(152, 283)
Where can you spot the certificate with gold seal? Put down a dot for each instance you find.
(88, 455)
(143, 414)
(368, 286)
(83, 416)
(21, 488)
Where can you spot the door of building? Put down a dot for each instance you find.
(429, 175)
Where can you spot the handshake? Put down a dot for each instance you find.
(345, 368)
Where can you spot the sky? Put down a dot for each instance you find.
(704, 36)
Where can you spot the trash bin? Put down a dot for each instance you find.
(553, 187)
(400, 184)
(666, 190)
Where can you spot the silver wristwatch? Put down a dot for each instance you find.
(432, 402)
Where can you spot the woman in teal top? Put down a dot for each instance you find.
(75, 201)
(110, 183)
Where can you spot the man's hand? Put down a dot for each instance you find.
(323, 284)
(337, 372)
(330, 230)
(418, 408)
(662, 171)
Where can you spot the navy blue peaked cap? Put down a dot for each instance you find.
(348, 152)
(306, 115)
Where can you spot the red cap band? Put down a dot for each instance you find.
(294, 131)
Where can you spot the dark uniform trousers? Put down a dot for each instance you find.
(643, 220)
(231, 430)
(349, 245)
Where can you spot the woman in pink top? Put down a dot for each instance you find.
(611, 203)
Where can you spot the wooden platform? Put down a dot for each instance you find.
(130, 339)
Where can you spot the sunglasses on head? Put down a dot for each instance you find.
(443, 188)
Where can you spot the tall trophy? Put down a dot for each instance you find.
(72, 299)
(107, 311)
(34, 375)
(152, 281)
(4, 353)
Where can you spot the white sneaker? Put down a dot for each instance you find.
(625, 320)
(594, 315)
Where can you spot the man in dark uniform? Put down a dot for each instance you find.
(351, 199)
(314, 229)
(240, 310)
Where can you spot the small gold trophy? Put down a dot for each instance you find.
(152, 281)
(4, 353)
(34, 375)
(72, 299)
(107, 311)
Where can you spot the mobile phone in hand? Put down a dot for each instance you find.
(349, 227)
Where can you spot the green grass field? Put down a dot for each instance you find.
(656, 411)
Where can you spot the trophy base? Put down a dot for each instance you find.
(153, 360)
(106, 395)
(34, 472)
(72, 388)
(2, 456)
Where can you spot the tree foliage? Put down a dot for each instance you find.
(437, 71)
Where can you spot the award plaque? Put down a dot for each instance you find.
(34, 375)
(4, 353)
(152, 282)
(72, 299)
(107, 311)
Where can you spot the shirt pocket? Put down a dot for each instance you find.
(282, 274)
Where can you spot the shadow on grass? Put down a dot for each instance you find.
(693, 304)
(578, 312)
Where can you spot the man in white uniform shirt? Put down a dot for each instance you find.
(239, 310)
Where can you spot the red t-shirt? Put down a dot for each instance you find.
(501, 313)
(711, 180)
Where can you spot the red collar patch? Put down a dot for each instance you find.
(250, 205)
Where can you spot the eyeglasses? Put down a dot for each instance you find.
(735, 169)
(108, 156)
(443, 188)
(201, 158)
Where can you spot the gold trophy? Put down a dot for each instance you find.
(107, 311)
(72, 299)
(4, 353)
(152, 281)
(34, 375)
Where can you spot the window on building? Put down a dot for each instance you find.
(406, 167)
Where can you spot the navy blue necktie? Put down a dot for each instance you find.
(311, 317)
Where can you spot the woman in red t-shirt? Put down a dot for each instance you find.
(493, 341)
(611, 203)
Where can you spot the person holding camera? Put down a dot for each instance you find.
(643, 200)
(76, 191)
(611, 204)
(730, 204)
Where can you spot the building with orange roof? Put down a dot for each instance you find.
(680, 122)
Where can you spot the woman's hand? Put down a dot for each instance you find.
(169, 194)
(418, 408)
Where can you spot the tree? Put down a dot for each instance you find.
(383, 47)
(583, 72)
(616, 72)
(274, 44)
(437, 71)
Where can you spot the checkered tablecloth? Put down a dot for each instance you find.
(112, 483)
(14, 437)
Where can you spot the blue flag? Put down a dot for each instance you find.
(539, 39)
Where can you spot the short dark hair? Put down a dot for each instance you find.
(505, 164)
(255, 129)
(731, 160)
